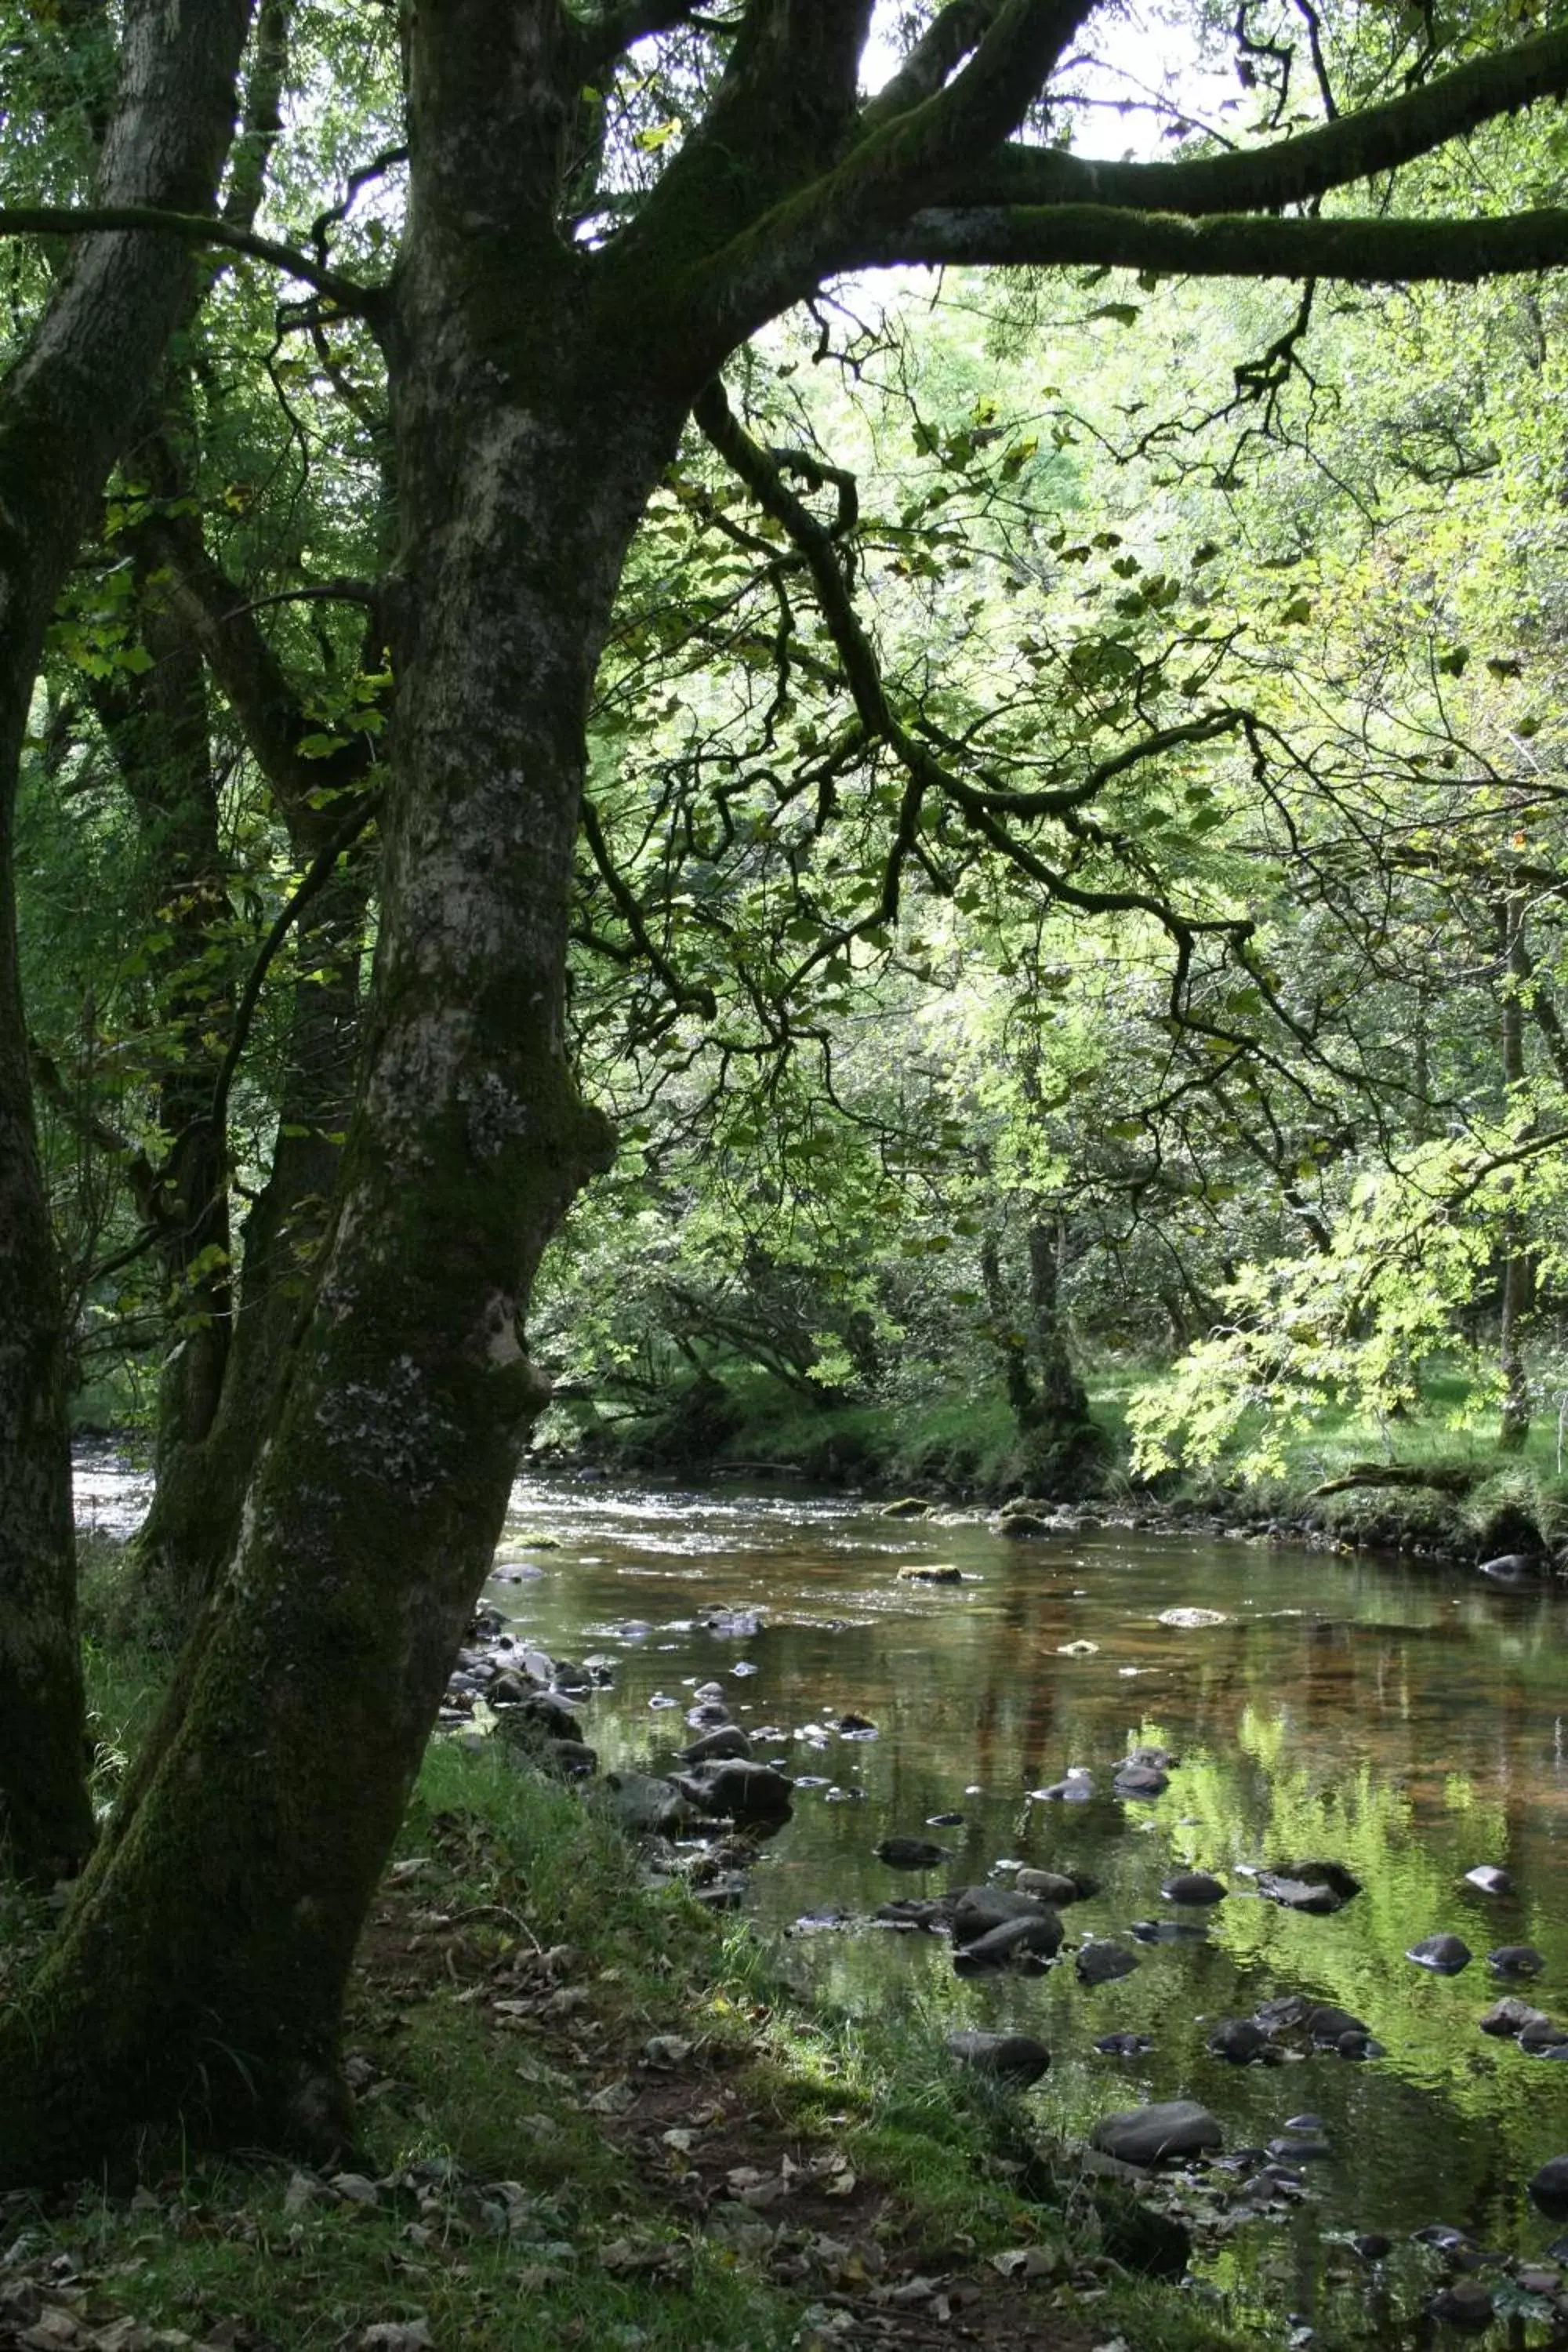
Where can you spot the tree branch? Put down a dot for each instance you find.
(1375, 138)
(1363, 250)
(190, 228)
(945, 43)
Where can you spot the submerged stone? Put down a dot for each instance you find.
(1017, 2057)
(1158, 2134)
(1101, 1963)
(1142, 1781)
(1549, 2187)
(1240, 2040)
(1487, 1879)
(1512, 2017)
(1055, 1887)
(1444, 1954)
(1515, 1961)
(1015, 1943)
(911, 1853)
(1194, 1886)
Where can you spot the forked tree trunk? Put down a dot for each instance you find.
(202, 1967)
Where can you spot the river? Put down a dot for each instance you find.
(1407, 1725)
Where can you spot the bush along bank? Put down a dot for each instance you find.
(1463, 1508)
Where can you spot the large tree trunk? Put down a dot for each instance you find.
(202, 1967)
(65, 410)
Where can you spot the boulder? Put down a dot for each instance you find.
(1328, 2026)
(920, 1571)
(643, 1805)
(1487, 1879)
(1102, 1962)
(1511, 2017)
(728, 1741)
(908, 1507)
(1076, 1790)
(1549, 2187)
(1515, 1569)
(912, 1853)
(1016, 1943)
(1314, 1886)
(1056, 1886)
(975, 1910)
(1154, 2135)
(1539, 2039)
(1240, 2040)
(1144, 1782)
(1016, 2057)
(1169, 1931)
(1444, 1954)
(1515, 1961)
(736, 1791)
(1125, 2045)
(1194, 1886)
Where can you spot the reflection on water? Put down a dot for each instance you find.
(1406, 1725)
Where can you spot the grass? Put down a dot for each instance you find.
(516, 1987)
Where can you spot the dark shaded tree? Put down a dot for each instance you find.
(564, 297)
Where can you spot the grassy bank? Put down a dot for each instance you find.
(1436, 1485)
(592, 2115)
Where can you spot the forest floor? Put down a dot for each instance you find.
(591, 2117)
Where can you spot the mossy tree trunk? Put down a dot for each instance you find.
(543, 350)
(66, 408)
(203, 1965)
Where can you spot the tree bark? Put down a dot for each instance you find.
(1517, 1272)
(65, 410)
(201, 1970)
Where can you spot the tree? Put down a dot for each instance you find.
(66, 408)
(601, 208)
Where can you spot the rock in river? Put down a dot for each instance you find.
(1144, 1782)
(912, 1853)
(1444, 1954)
(1515, 1961)
(1548, 2188)
(1056, 1886)
(738, 1791)
(974, 1911)
(1102, 1962)
(1315, 1887)
(1487, 1879)
(1016, 1943)
(1240, 2040)
(1153, 2135)
(1076, 1790)
(1017, 2057)
(729, 1740)
(1512, 2016)
(1193, 1886)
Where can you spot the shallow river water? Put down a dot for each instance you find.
(1407, 1725)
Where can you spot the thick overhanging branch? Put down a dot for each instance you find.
(1375, 138)
(953, 33)
(1362, 250)
(190, 228)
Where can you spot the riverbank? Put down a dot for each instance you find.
(1433, 1490)
(590, 2114)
